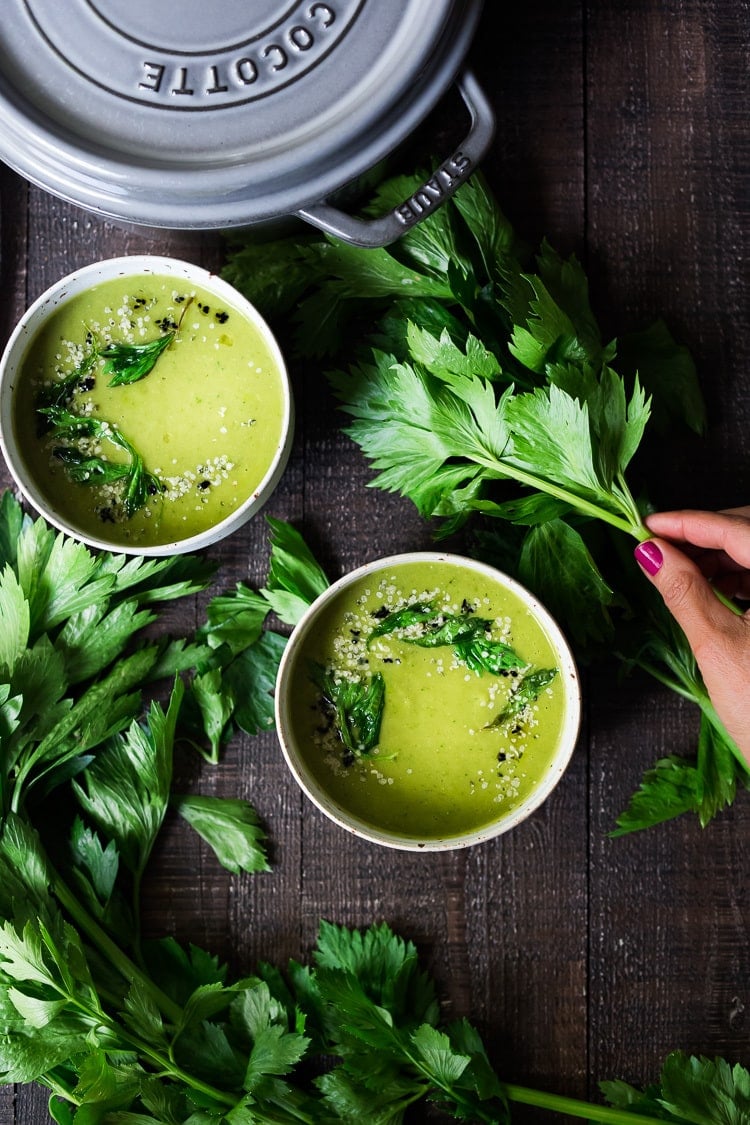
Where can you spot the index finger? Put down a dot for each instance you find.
(719, 531)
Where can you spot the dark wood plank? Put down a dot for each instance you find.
(668, 230)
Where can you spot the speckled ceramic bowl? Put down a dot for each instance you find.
(443, 748)
(58, 497)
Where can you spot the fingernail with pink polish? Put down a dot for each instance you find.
(649, 557)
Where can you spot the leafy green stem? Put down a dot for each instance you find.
(708, 709)
(163, 1063)
(471, 1109)
(633, 525)
(558, 1103)
(728, 603)
(167, 1068)
(98, 1018)
(640, 531)
(701, 698)
(668, 681)
(110, 949)
(57, 1088)
(135, 900)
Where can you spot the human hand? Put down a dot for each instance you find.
(695, 554)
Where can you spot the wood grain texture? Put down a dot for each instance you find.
(667, 235)
(623, 136)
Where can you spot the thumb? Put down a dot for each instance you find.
(687, 594)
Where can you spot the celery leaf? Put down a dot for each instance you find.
(231, 828)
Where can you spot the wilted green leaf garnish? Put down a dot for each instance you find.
(127, 363)
(58, 394)
(524, 694)
(423, 625)
(416, 613)
(482, 655)
(355, 706)
(85, 467)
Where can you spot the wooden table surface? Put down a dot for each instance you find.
(623, 135)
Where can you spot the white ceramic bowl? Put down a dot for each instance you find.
(333, 807)
(11, 374)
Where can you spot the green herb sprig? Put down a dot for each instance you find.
(468, 635)
(128, 363)
(363, 1005)
(356, 708)
(524, 695)
(233, 687)
(71, 680)
(85, 467)
(58, 394)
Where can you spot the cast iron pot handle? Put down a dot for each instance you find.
(432, 193)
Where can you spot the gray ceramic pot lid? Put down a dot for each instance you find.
(217, 113)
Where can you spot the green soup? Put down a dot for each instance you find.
(169, 454)
(473, 700)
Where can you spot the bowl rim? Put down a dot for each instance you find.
(362, 829)
(73, 284)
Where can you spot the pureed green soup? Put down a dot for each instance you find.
(148, 459)
(427, 700)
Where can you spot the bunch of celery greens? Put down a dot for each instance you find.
(478, 385)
